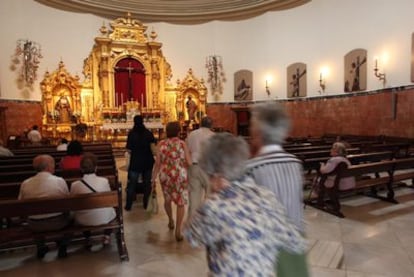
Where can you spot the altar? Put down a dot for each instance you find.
(125, 74)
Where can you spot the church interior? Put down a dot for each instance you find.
(82, 70)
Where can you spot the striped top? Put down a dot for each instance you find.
(282, 173)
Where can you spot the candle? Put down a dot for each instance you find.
(376, 63)
(142, 99)
(122, 99)
(320, 77)
(116, 99)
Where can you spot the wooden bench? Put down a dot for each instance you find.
(19, 235)
(369, 186)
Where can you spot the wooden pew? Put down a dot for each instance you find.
(392, 174)
(18, 236)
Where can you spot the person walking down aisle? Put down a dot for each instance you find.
(141, 147)
(277, 170)
(241, 224)
(171, 164)
(197, 179)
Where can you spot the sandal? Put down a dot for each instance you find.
(179, 238)
(171, 225)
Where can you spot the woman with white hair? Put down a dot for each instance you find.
(338, 155)
(241, 224)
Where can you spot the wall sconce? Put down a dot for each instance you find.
(322, 83)
(380, 76)
(28, 54)
(267, 88)
(216, 77)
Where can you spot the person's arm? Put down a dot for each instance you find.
(187, 154)
(328, 167)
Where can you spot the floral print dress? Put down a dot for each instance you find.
(173, 172)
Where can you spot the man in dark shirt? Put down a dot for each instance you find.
(140, 144)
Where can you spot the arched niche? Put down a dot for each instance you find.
(194, 88)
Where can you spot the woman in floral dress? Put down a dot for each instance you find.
(171, 163)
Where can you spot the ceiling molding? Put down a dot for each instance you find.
(175, 11)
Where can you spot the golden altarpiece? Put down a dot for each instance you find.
(106, 101)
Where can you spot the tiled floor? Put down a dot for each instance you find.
(375, 239)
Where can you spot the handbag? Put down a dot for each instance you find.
(152, 207)
(291, 265)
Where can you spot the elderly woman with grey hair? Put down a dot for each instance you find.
(271, 166)
(338, 155)
(241, 224)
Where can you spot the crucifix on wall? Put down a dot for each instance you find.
(129, 82)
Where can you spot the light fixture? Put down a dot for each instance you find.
(322, 83)
(216, 77)
(380, 76)
(267, 82)
(28, 55)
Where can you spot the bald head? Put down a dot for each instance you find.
(44, 163)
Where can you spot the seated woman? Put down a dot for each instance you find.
(73, 156)
(91, 183)
(338, 154)
(241, 224)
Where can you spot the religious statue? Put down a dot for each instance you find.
(63, 108)
(191, 108)
(296, 82)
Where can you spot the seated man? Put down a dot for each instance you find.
(91, 183)
(45, 184)
(4, 152)
(34, 135)
(63, 146)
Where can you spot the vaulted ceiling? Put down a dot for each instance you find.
(175, 11)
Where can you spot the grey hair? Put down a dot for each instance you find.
(42, 162)
(340, 148)
(88, 163)
(271, 121)
(225, 155)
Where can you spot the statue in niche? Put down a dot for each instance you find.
(62, 106)
(296, 82)
(356, 70)
(191, 108)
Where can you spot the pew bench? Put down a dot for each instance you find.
(369, 186)
(21, 236)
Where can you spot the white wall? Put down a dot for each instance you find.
(319, 34)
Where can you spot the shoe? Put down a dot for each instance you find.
(41, 251)
(127, 209)
(179, 237)
(171, 225)
(62, 252)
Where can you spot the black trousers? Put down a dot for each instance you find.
(132, 186)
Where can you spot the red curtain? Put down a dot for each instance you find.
(130, 82)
